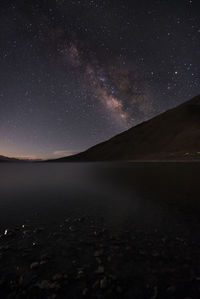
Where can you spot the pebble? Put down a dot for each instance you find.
(85, 291)
(95, 284)
(44, 257)
(9, 232)
(57, 276)
(72, 228)
(34, 265)
(100, 270)
(47, 285)
(67, 220)
(103, 283)
(80, 273)
(98, 253)
(155, 293)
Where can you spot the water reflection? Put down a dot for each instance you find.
(146, 193)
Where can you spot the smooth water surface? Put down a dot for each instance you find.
(148, 194)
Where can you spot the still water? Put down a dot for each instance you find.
(147, 194)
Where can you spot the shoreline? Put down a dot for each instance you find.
(83, 257)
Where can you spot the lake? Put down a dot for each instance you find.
(145, 193)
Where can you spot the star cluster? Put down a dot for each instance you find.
(74, 73)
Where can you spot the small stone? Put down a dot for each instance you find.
(180, 239)
(85, 291)
(44, 257)
(67, 220)
(57, 276)
(26, 232)
(98, 253)
(80, 273)
(72, 228)
(46, 285)
(100, 270)
(95, 284)
(34, 265)
(81, 219)
(103, 283)
(9, 232)
(155, 294)
(25, 278)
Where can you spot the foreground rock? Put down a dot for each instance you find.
(88, 258)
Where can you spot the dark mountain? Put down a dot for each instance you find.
(6, 159)
(172, 135)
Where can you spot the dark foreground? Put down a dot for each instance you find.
(104, 231)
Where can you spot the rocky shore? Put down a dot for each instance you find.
(85, 257)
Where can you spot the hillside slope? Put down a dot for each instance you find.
(174, 134)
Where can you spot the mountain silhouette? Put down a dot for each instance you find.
(174, 134)
(6, 159)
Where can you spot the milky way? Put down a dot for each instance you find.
(75, 73)
(121, 90)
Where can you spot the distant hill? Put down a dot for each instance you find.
(6, 159)
(172, 135)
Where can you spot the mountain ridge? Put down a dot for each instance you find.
(173, 134)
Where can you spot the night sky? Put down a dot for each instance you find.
(75, 73)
